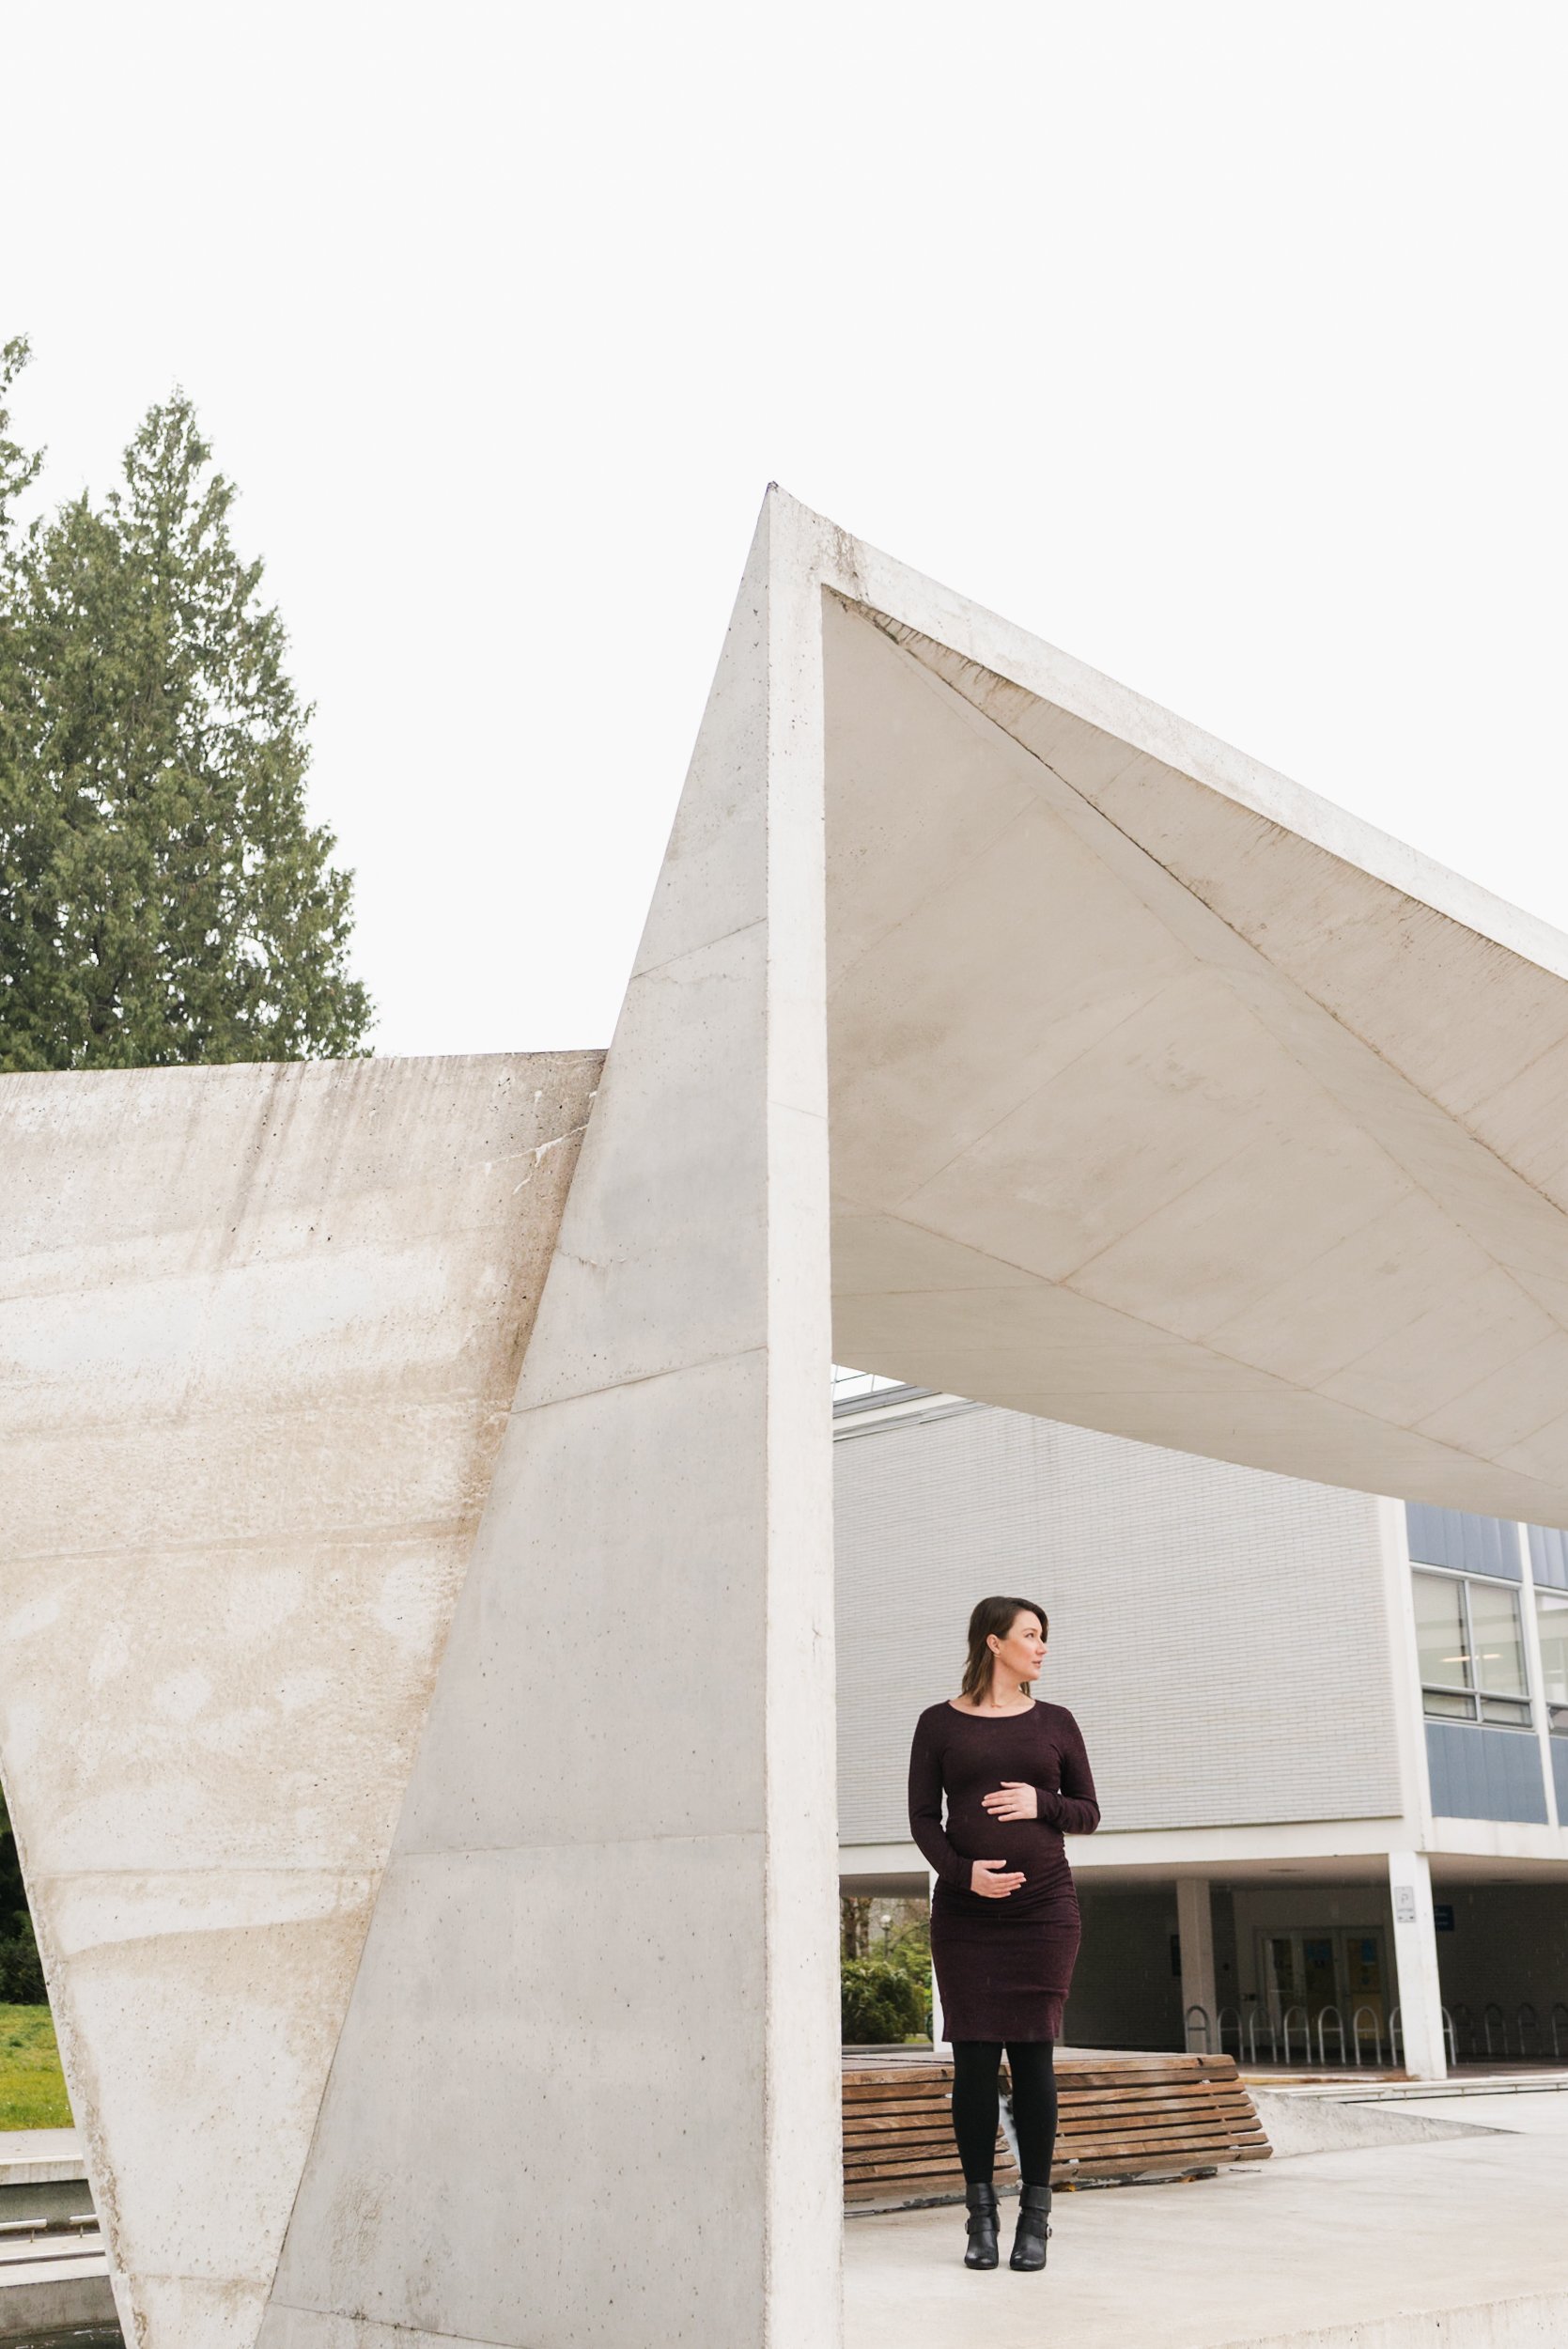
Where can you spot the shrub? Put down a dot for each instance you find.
(881, 2001)
(21, 1973)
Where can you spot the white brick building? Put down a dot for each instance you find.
(1330, 1735)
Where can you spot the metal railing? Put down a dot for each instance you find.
(1256, 2035)
(1522, 2036)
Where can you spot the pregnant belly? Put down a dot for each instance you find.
(1027, 1845)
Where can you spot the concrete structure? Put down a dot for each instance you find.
(42, 2174)
(260, 1330)
(1161, 1097)
(1309, 1710)
(53, 2274)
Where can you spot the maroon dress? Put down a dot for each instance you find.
(1003, 1967)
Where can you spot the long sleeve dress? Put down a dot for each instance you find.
(1004, 1966)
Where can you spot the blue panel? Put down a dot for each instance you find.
(1450, 1537)
(1549, 1556)
(1560, 1772)
(1486, 1773)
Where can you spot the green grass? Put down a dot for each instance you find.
(32, 2085)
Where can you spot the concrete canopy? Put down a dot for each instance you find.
(1156, 1093)
(1170, 1100)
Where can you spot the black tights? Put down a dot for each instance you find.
(976, 2109)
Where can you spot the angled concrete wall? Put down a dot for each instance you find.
(259, 1331)
(587, 2088)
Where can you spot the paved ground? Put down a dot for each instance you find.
(1461, 2242)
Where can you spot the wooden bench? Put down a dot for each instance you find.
(1122, 2116)
(898, 2131)
(1153, 2115)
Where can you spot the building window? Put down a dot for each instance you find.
(1470, 1640)
(1551, 1616)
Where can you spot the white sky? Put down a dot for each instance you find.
(1221, 344)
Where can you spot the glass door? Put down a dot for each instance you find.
(1280, 1970)
(1365, 1984)
(1340, 1966)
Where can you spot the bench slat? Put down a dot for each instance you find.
(1120, 2117)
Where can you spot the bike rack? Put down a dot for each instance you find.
(1203, 2015)
(1323, 2014)
(1259, 2035)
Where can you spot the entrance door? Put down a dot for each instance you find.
(1340, 1966)
(1365, 1980)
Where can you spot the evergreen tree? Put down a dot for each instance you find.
(163, 897)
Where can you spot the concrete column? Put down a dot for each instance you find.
(1195, 1926)
(1416, 1966)
(1405, 1679)
(1537, 1677)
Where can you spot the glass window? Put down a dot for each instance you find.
(1469, 1637)
(1551, 1615)
(1498, 1638)
(1440, 1632)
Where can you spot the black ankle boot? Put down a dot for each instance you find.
(1028, 2244)
(982, 2251)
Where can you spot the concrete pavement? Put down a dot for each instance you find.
(1458, 2242)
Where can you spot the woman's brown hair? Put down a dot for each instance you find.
(994, 1618)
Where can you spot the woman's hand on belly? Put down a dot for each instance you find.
(985, 1879)
(1014, 1800)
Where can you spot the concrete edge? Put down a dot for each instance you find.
(55, 2303)
(1300, 2125)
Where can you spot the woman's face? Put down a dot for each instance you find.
(1022, 1654)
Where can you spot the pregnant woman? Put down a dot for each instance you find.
(1004, 1922)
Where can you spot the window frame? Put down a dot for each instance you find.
(1515, 1713)
(1555, 1709)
